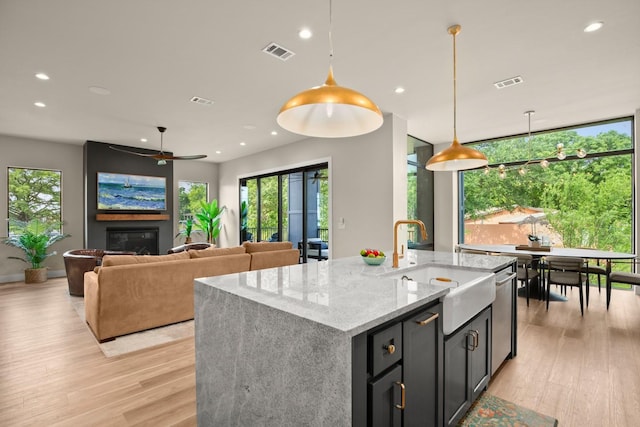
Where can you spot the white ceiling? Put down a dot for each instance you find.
(154, 55)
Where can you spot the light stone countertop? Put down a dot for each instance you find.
(345, 293)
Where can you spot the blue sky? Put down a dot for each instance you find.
(620, 127)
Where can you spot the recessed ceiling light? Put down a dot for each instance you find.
(274, 133)
(243, 143)
(40, 104)
(99, 90)
(218, 152)
(399, 89)
(594, 26)
(42, 76)
(305, 33)
(143, 139)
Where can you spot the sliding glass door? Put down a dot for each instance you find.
(290, 205)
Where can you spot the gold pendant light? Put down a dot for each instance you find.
(330, 111)
(456, 157)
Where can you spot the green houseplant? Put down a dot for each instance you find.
(34, 240)
(208, 219)
(187, 230)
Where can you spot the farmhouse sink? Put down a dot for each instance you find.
(470, 291)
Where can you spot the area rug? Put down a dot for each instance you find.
(139, 340)
(490, 410)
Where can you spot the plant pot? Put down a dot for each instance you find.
(35, 275)
(187, 240)
(534, 244)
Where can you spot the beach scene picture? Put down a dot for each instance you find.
(131, 192)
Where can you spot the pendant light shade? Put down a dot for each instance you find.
(330, 111)
(456, 157)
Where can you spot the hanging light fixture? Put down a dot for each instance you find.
(330, 111)
(456, 157)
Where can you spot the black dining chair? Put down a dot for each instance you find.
(567, 271)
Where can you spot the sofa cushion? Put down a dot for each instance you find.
(270, 259)
(205, 253)
(266, 246)
(113, 260)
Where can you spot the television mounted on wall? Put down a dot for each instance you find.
(125, 192)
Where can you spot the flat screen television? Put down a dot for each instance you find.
(124, 192)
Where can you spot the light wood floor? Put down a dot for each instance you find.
(583, 371)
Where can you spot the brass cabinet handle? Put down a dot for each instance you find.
(433, 317)
(402, 397)
(390, 348)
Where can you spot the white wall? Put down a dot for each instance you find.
(445, 209)
(367, 177)
(29, 153)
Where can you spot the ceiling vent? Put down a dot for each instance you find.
(508, 82)
(201, 101)
(278, 51)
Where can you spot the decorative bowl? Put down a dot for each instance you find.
(374, 261)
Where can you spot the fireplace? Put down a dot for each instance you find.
(143, 241)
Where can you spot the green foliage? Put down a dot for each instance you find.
(208, 219)
(186, 228)
(587, 201)
(34, 240)
(190, 195)
(33, 193)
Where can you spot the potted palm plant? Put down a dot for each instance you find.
(208, 219)
(34, 240)
(187, 230)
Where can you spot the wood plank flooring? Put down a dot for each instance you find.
(585, 371)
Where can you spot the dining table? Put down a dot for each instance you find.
(539, 252)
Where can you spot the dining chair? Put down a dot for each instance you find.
(596, 269)
(626, 277)
(526, 272)
(566, 271)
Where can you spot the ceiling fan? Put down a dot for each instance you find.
(161, 156)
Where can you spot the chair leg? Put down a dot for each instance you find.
(548, 290)
(599, 276)
(587, 290)
(581, 303)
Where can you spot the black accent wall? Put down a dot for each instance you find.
(98, 157)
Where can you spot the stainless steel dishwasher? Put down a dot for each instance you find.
(503, 312)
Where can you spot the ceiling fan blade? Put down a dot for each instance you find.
(132, 152)
(195, 157)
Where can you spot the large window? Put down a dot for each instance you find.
(576, 201)
(190, 196)
(34, 195)
(419, 192)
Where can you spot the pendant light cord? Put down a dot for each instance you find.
(330, 36)
(455, 134)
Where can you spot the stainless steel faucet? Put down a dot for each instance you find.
(423, 230)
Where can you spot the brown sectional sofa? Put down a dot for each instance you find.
(132, 293)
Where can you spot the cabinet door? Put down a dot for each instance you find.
(457, 391)
(481, 354)
(421, 374)
(385, 394)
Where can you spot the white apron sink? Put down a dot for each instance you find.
(470, 291)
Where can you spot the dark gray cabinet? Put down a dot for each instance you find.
(404, 371)
(467, 365)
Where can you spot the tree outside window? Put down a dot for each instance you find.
(190, 195)
(34, 195)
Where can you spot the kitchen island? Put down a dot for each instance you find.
(288, 345)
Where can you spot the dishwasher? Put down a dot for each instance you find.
(504, 318)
